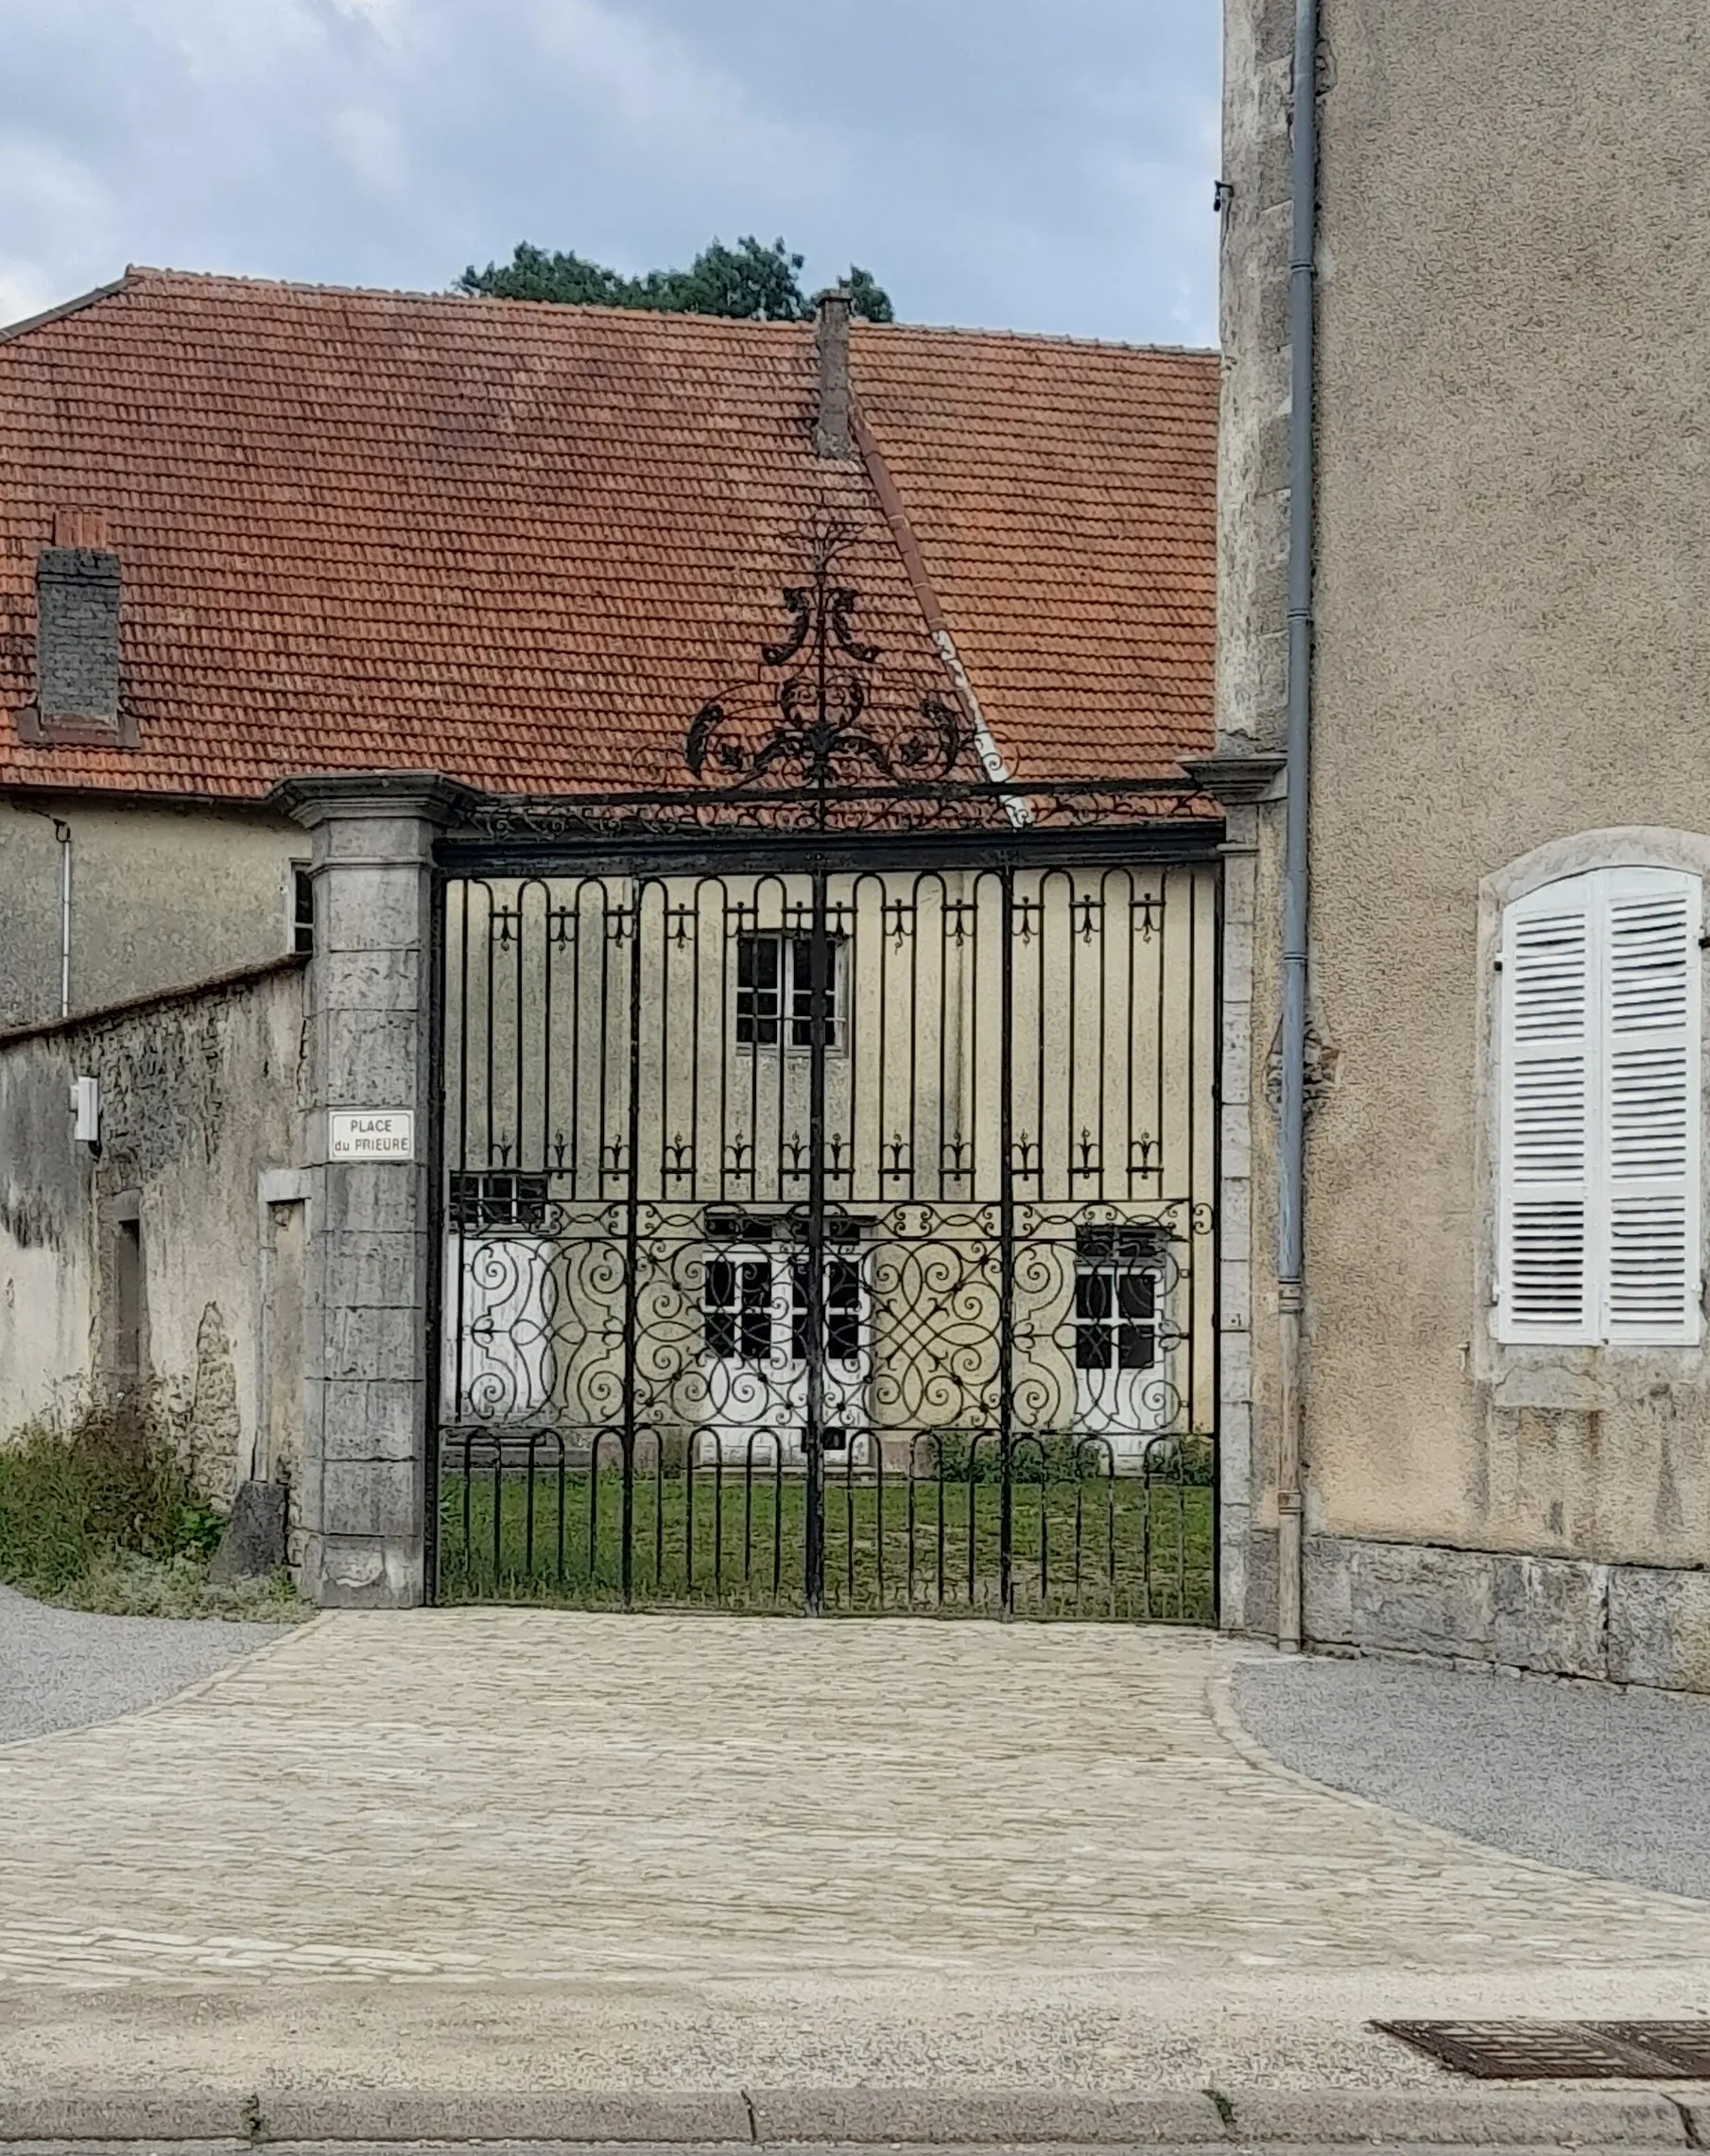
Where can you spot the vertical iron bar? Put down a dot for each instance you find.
(813, 1436)
(659, 1483)
(631, 1252)
(1006, 1235)
(498, 1509)
(938, 1447)
(688, 1514)
(777, 1515)
(878, 1462)
(1215, 1240)
(435, 1193)
(563, 1499)
(468, 1496)
(912, 1468)
(491, 1030)
(593, 1509)
(748, 1514)
(974, 1517)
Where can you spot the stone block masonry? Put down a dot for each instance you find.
(369, 1031)
(1557, 1617)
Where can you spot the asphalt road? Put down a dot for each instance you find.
(62, 1669)
(1606, 1781)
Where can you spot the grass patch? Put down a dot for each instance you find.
(97, 1512)
(1091, 1550)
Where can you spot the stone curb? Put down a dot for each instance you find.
(868, 2116)
(1507, 2118)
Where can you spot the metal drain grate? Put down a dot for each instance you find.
(1684, 2045)
(1562, 2050)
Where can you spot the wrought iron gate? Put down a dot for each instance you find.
(826, 1205)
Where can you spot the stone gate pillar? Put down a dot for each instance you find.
(361, 1505)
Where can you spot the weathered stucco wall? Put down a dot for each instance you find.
(200, 1100)
(1514, 646)
(161, 897)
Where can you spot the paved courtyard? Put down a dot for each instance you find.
(471, 1847)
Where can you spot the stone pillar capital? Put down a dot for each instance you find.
(330, 797)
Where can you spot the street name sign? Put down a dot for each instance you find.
(372, 1134)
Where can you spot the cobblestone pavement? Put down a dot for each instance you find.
(676, 1812)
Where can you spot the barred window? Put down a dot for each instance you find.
(496, 1198)
(1116, 1283)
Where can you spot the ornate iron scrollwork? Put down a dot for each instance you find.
(820, 725)
(814, 742)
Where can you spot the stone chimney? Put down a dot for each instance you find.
(78, 588)
(834, 433)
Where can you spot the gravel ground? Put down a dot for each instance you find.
(60, 1668)
(1610, 1783)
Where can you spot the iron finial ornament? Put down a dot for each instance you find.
(814, 719)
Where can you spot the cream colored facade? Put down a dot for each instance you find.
(1110, 1035)
(1512, 682)
(160, 896)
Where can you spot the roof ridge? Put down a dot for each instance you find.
(140, 274)
(1052, 337)
(450, 298)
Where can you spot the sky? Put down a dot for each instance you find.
(1035, 165)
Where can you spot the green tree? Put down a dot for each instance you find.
(748, 282)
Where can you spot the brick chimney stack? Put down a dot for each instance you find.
(833, 434)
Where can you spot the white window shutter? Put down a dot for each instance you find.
(1651, 1111)
(1546, 1290)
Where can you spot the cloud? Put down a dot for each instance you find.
(372, 148)
(1002, 161)
(61, 224)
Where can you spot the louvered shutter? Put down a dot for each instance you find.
(1651, 1112)
(1544, 1284)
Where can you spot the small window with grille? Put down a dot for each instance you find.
(1116, 1295)
(775, 992)
(497, 1198)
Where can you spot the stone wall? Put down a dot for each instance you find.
(1557, 1617)
(200, 1124)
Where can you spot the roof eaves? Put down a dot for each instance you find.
(12, 330)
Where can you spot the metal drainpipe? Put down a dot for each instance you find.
(1291, 1156)
(62, 833)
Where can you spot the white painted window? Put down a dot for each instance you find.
(775, 992)
(1597, 1197)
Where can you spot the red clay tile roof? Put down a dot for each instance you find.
(522, 544)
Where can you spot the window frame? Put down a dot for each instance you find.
(792, 946)
(300, 918)
(1513, 1346)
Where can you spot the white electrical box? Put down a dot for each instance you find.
(86, 1107)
